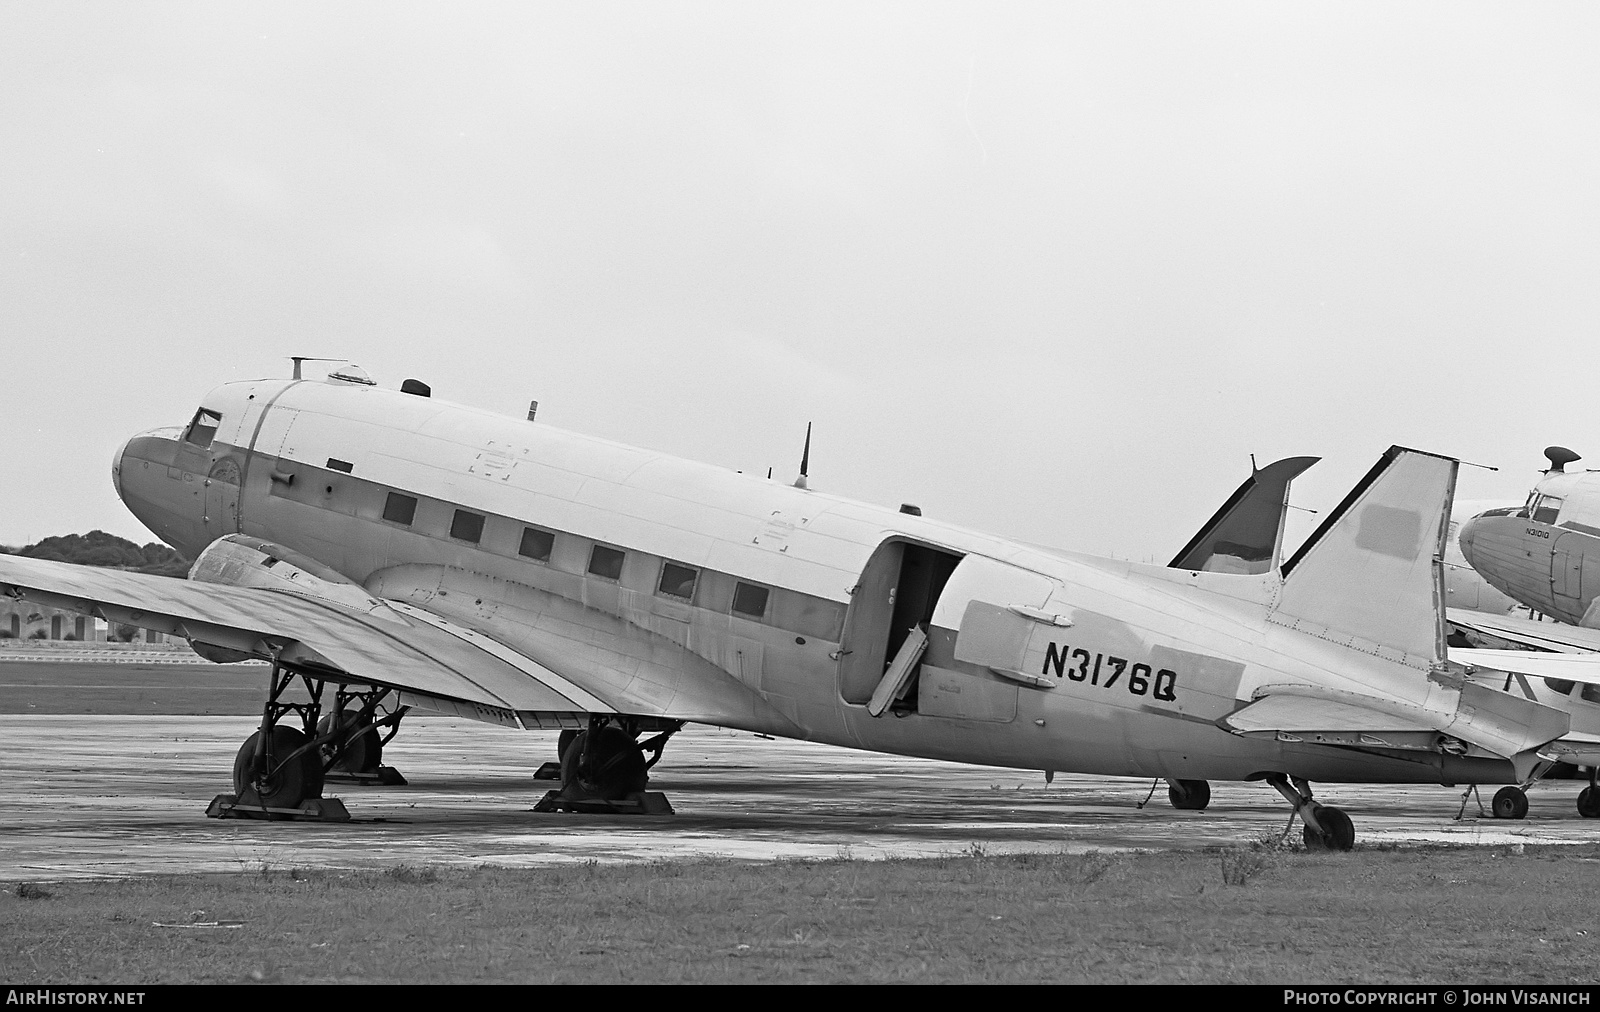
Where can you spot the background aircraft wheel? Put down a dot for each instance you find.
(1340, 832)
(614, 768)
(364, 755)
(1589, 803)
(291, 783)
(1189, 795)
(1509, 803)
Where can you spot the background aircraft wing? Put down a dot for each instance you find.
(1583, 668)
(401, 647)
(1556, 636)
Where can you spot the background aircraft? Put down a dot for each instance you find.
(409, 552)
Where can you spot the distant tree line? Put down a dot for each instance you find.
(97, 548)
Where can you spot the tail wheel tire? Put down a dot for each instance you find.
(1339, 833)
(1509, 803)
(1589, 803)
(1189, 795)
(363, 755)
(564, 742)
(613, 769)
(284, 784)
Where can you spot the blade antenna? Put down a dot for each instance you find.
(805, 461)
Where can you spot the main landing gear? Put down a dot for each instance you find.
(604, 769)
(1326, 827)
(280, 770)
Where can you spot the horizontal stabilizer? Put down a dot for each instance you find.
(1370, 578)
(1246, 534)
(1556, 636)
(1303, 713)
(1497, 722)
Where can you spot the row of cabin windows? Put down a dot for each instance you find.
(676, 580)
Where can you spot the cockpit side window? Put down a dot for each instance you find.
(1547, 509)
(203, 428)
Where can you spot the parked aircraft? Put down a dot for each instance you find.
(1546, 553)
(413, 553)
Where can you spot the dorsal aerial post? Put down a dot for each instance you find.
(805, 460)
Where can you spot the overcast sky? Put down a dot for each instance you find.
(1050, 270)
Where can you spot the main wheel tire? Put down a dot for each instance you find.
(363, 755)
(1339, 833)
(1189, 795)
(613, 769)
(1589, 803)
(285, 785)
(1509, 803)
(564, 742)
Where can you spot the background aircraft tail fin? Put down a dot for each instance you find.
(1246, 534)
(1371, 577)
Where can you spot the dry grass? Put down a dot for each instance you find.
(1398, 916)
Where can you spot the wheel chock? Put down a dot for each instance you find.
(246, 806)
(383, 776)
(549, 771)
(640, 803)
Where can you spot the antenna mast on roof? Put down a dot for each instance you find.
(805, 460)
(297, 359)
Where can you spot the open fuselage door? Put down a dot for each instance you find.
(887, 626)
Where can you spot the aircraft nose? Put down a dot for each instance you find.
(116, 466)
(1468, 535)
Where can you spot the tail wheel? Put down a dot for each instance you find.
(1189, 795)
(363, 755)
(280, 784)
(1589, 803)
(1509, 803)
(1338, 832)
(613, 769)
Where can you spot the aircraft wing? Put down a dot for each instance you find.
(1556, 636)
(402, 647)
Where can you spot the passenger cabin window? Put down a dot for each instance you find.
(1547, 510)
(606, 562)
(1560, 685)
(1591, 694)
(677, 581)
(750, 600)
(204, 427)
(536, 544)
(400, 509)
(467, 526)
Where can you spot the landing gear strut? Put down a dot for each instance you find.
(351, 745)
(604, 770)
(1326, 827)
(278, 773)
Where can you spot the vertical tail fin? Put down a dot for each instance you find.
(1371, 577)
(1246, 534)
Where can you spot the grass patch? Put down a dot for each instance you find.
(1372, 916)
